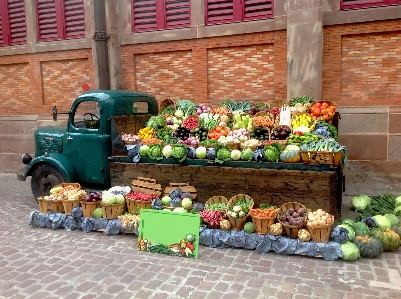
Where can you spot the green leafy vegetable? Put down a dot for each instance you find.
(359, 203)
(155, 151)
(187, 107)
(179, 152)
(222, 154)
(236, 107)
(301, 100)
(350, 251)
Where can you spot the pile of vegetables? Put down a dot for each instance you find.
(240, 208)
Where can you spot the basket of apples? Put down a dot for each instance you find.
(90, 203)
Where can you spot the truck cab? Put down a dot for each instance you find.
(81, 151)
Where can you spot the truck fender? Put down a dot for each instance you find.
(59, 161)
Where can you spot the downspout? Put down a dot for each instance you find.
(100, 38)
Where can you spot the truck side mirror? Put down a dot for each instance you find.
(54, 113)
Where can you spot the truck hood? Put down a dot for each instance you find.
(50, 138)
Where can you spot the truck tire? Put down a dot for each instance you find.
(45, 177)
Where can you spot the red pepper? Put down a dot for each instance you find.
(298, 133)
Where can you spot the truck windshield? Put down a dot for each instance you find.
(87, 115)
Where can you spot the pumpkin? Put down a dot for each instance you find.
(390, 240)
(361, 229)
(291, 154)
(396, 229)
(368, 247)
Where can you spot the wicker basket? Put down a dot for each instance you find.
(135, 206)
(320, 157)
(278, 103)
(113, 211)
(238, 223)
(167, 102)
(216, 199)
(233, 146)
(75, 185)
(291, 230)
(264, 113)
(88, 208)
(48, 206)
(320, 233)
(262, 225)
(70, 204)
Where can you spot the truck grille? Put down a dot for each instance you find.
(49, 144)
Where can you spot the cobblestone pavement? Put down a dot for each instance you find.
(43, 263)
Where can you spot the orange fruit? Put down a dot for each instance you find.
(318, 105)
(316, 111)
(325, 117)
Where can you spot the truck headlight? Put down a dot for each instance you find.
(26, 159)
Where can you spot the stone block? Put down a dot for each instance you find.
(365, 146)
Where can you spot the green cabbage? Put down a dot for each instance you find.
(350, 251)
(155, 152)
(144, 150)
(180, 210)
(179, 152)
(359, 203)
(98, 213)
(201, 152)
(393, 219)
(223, 154)
(271, 154)
(186, 203)
(382, 221)
(119, 198)
(108, 198)
(247, 154)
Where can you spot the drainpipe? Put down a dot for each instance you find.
(100, 52)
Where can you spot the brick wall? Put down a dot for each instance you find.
(33, 83)
(362, 64)
(210, 70)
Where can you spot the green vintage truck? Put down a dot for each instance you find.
(90, 151)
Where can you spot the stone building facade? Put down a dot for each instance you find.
(345, 51)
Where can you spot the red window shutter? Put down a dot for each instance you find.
(74, 13)
(178, 13)
(219, 11)
(47, 20)
(16, 13)
(352, 4)
(144, 15)
(4, 24)
(258, 9)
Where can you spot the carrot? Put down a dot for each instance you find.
(264, 213)
(220, 111)
(262, 121)
(151, 141)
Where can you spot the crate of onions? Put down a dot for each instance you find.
(319, 225)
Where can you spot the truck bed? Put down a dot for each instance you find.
(315, 186)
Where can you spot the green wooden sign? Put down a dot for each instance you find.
(169, 233)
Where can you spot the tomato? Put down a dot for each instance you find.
(318, 105)
(325, 117)
(316, 112)
(323, 112)
(224, 132)
(218, 129)
(325, 105)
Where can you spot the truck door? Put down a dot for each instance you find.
(87, 141)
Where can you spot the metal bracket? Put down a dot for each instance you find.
(100, 36)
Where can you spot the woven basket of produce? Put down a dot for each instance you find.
(69, 204)
(212, 218)
(111, 211)
(319, 225)
(292, 216)
(237, 210)
(49, 204)
(88, 208)
(323, 110)
(76, 186)
(263, 218)
(135, 206)
(263, 119)
(217, 200)
(167, 103)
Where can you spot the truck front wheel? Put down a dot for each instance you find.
(45, 177)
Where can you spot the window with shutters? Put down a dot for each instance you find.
(229, 11)
(12, 22)
(352, 4)
(150, 15)
(60, 19)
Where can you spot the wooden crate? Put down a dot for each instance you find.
(185, 187)
(146, 185)
(320, 157)
(113, 210)
(130, 124)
